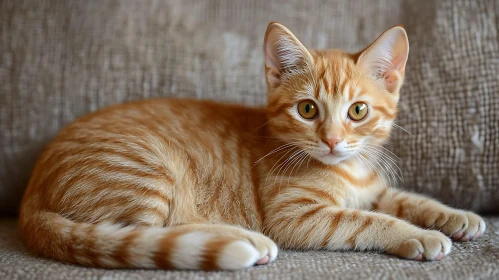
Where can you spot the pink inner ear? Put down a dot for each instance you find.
(399, 59)
(274, 77)
(391, 81)
(387, 57)
(272, 61)
(271, 58)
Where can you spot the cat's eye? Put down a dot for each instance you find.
(308, 109)
(358, 111)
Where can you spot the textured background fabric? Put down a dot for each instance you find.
(62, 59)
(471, 260)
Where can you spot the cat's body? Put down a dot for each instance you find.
(171, 183)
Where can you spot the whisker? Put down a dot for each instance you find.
(389, 156)
(379, 146)
(389, 160)
(385, 164)
(308, 161)
(383, 167)
(300, 160)
(292, 148)
(261, 126)
(398, 126)
(386, 171)
(371, 166)
(275, 150)
(286, 165)
(382, 153)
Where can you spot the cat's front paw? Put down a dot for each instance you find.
(473, 227)
(461, 225)
(428, 245)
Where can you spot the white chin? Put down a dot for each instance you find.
(330, 159)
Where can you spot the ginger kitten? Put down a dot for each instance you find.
(191, 184)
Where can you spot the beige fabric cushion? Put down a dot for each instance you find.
(62, 59)
(471, 260)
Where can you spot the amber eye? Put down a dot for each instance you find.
(358, 111)
(308, 109)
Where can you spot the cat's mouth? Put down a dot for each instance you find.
(333, 154)
(330, 154)
(332, 157)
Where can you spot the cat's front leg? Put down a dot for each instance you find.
(306, 225)
(429, 213)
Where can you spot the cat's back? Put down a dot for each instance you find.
(183, 121)
(136, 143)
(169, 112)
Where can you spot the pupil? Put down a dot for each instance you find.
(307, 108)
(357, 109)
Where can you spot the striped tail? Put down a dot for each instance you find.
(195, 246)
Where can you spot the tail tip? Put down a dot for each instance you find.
(239, 254)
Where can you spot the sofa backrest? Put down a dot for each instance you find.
(62, 59)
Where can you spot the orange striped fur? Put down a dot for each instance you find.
(192, 184)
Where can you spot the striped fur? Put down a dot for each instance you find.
(192, 184)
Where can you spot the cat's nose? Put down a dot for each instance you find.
(332, 142)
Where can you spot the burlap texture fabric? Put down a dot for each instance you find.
(471, 260)
(62, 59)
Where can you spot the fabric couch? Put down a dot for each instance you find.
(62, 59)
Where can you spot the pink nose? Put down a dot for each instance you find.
(332, 142)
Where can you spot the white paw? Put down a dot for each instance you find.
(255, 249)
(472, 227)
(428, 245)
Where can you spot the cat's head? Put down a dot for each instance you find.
(329, 103)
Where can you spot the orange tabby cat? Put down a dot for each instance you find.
(193, 184)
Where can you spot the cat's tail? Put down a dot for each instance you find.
(108, 245)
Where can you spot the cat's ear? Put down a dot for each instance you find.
(284, 54)
(385, 59)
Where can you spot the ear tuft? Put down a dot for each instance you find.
(385, 59)
(284, 54)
